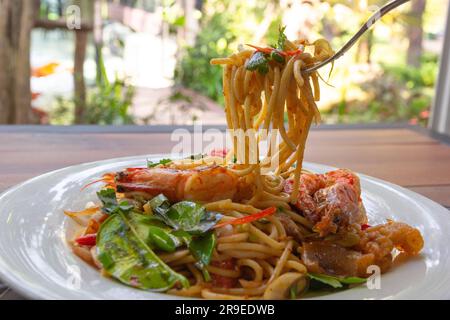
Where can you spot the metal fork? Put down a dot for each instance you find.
(374, 18)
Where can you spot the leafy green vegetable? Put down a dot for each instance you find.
(154, 232)
(326, 279)
(127, 257)
(159, 204)
(188, 216)
(162, 239)
(151, 164)
(352, 280)
(281, 38)
(276, 56)
(258, 62)
(202, 248)
(335, 282)
(110, 203)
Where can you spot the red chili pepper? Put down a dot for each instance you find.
(265, 50)
(250, 218)
(87, 240)
(293, 52)
(365, 226)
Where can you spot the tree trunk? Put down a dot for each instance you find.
(81, 40)
(415, 32)
(78, 74)
(16, 23)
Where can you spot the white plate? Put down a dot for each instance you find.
(36, 260)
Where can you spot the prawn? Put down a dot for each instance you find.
(206, 183)
(382, 239)
(330, 201)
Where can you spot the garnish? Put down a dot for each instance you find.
(110, 203)
(126, 256)
(259, 61)
(151, 164)
(87, 240)
(335, 282)
(248, 219)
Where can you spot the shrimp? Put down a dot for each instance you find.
(330, 201)
(206, 183)
(382, 239)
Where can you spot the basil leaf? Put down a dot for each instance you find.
(281, 38)
(258, 62)
(352, 280)
(276, 56)
(162, 239)
(109, 200)
(154, 232)
(335, 282)
(202, 248)
(190, 217)
(326, 279)
(127, 257)
(151, 164)
(159, 204)
(110, 203)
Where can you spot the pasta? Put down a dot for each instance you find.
(237, 227)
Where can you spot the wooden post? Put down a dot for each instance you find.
(81, 40)
(415, 32)
(16, 23)
(78, 73)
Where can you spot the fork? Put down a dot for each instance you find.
(374, 18)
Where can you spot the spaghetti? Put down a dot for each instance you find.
(229, 231)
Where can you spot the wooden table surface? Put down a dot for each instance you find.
(403, 155)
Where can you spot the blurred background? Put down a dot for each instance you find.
(147, 61)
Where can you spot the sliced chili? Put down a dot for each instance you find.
(87, 240)
(247, 219)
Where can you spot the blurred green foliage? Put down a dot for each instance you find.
(108, 103)
(397, 92)
(223, 25)
(194, 70)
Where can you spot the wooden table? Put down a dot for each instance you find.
(405, 155)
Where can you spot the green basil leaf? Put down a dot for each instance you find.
(154, 232)
(202, 248)
(127, 257)
(151, 164)
(110, 203)
(190, 217)
(258, 62)
(326, 279)
(161, 239)
(335, 282)
(109, 200)
(352, 280)
(276, 56)
(159, 204)
(281, 38)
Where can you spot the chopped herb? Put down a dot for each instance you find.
(151, 164)
(258, 62)
(335, 282)
(277, 56)
(110, 203)
(281, 38)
